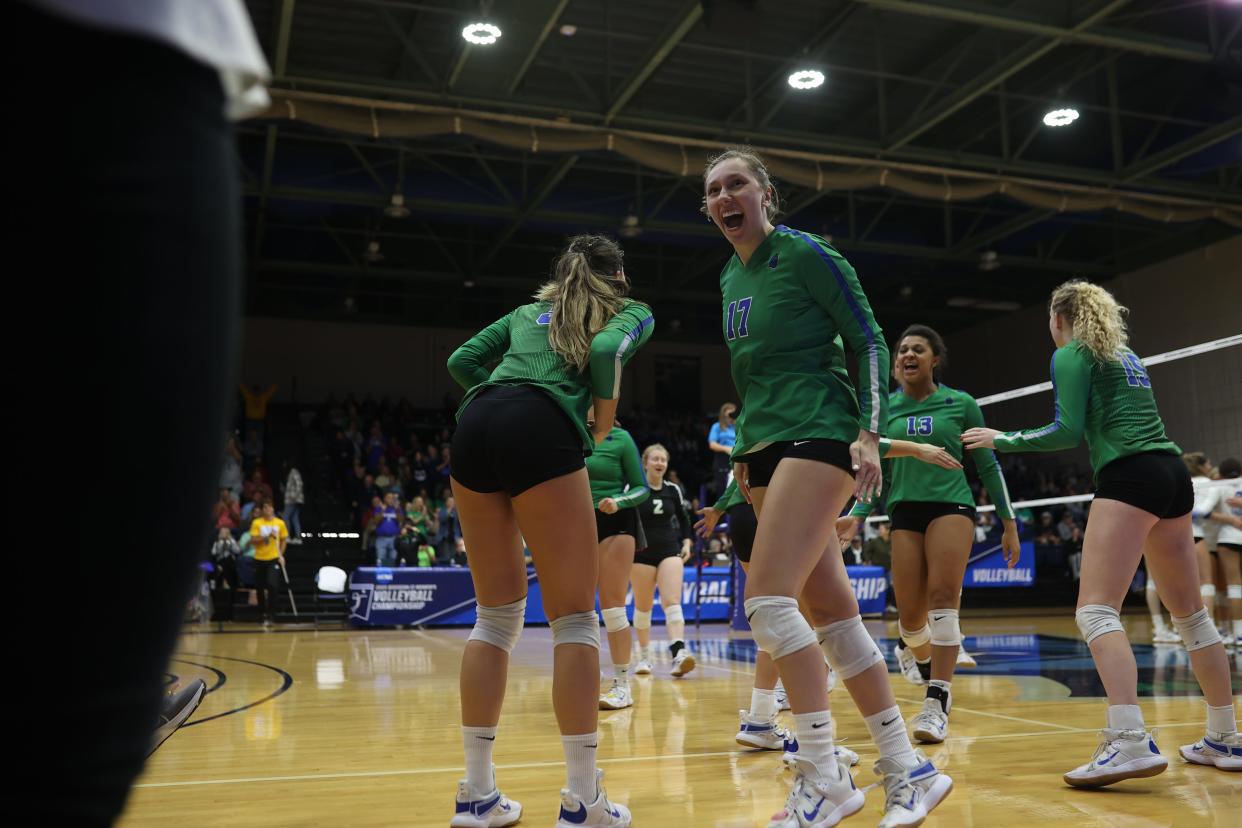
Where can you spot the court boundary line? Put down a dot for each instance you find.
(620, 760)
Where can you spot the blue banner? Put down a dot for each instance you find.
(383, 597)
(870, 585)
(986, 567)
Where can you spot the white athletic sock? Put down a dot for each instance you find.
(762, 703)
(1157, 623)
(479, 742)
(622, 671)
(1237, 629)
(1222, 719)
(580, 764)
(815, 741)
(888, 731)
(1125, 717)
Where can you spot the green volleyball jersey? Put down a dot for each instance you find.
(520, 341)
(783, 311)
(1111, 403)
(616, 471)
(939, 420)
(731, 496)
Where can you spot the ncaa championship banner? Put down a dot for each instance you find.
(986, 567)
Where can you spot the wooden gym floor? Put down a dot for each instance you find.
(359, 728)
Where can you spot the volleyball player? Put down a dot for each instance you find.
(617, 488)
(1223, 509)
(666, 523)
(803, 437)
(1143, 501)
(518, 473)
(933, 515)
(1204, 531)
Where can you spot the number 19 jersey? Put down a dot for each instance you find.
(783, 312)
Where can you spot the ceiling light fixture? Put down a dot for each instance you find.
(372, 253)
(988, 261)
(396, 207)
(806, 79)
(630, 227)
(569, 30)
(1061, 117)
(481, 34)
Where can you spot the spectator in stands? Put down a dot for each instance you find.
(1046, 534)
(231, 471)
(387, 527)
(224, 554)
(256, 400)
(417, 513)
(344, 453)
(1068, 530)
(295, 496)
(256, 485)
(408, 543)
(449, 542)
(853, 554)
(444, 469)
(252, 450)
(269, 536)
(226, 513)
(879, 550)
(405, 478)
(384, 480)
(418, 471)
(253, 507)
(374, 449)
(721, 440)
(370, 521)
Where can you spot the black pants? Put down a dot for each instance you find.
(264, 585)
(226, 572)
(125, 196)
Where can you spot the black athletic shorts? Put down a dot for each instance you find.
(763, 462)
(742, 528)
(1155, 482)
(916, 516)
(511, 438)
(1232, 547)
(654, 557)
(621, 522)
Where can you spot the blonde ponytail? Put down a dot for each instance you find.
(1096, 317)
(584, 295)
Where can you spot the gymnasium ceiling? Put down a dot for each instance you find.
(933, 85)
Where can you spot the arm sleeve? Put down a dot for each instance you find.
(729, 497)
(683, 515)
(613, 347)
(987, 465)
(468, 364)
(1071, 385)
(634, 478)
(834, 286)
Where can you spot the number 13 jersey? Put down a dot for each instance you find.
(785, 313)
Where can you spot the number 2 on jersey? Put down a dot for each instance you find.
(920, 426)
(657, 506)
(740, 308)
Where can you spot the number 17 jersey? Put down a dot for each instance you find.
(785, 312)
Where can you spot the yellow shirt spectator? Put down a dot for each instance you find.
(256, 401)
(267, 535)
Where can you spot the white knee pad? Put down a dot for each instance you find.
(1095, 620)
(1197, 630)
(499, 626)
(642, 619)
(614, 619)
(1234, 592)
(1207, 592)
(779, 629)
(848, 646)
(914, 638)
(674, 615)
(946, 630)
(576, 628)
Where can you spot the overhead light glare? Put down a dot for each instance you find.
(806, 79)
(396, 207)
(481, 34)
(569, 30)
(1061, 117)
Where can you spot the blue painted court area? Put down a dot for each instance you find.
(1163, 670)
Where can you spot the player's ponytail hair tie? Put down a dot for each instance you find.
(1098, 320)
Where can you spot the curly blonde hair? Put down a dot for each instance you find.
(1098, 320)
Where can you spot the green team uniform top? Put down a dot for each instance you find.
(783, 312)
(939, 420)
(616, 471)
(730, 497)
(520, 341)
(1111, 403)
